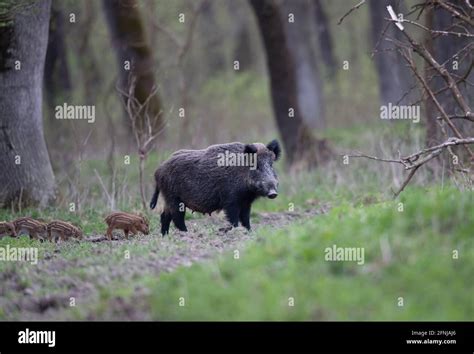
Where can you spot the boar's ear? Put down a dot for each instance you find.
(274, 146)
(250, 149)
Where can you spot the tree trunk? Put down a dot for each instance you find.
(310, 92)
(92, 77)
(128, 35)
(324, 37)
(394, 78)
(212, 40)
(300, 145)
(56, 70)
(57, 88)
(243, 50)
(26, 175)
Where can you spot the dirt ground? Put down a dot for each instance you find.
(73, 271)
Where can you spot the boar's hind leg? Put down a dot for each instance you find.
(178, 220)
(165, 222)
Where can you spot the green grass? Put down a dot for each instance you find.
(277, 265)
(290, 263)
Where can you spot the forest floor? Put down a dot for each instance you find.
(75, 273)
(418, 265)
(418, 252)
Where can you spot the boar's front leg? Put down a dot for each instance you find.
(245, 216)
(133, 230)
(109, 233)
(34, 235)
(232, 212)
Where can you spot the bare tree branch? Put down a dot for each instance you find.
(355, 7)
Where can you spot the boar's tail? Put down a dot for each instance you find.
(154, 199)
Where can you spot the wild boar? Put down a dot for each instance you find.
(7, 228)
(61, 230)
(127, 222)
(34, 228)
(225, 177)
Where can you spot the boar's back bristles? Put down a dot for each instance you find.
(63, 229)
(122, 217)
(29, 225)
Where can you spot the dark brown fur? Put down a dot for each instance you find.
(193, 179)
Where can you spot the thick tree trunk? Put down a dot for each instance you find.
(394, 78)
(26, 175)
(300, 145)
(128, 34)
(324, 36)
(310, 91)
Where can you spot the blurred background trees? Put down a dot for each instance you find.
(219, 71)
(26, 174)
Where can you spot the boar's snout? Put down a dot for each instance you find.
(272, 194)
(272, 189)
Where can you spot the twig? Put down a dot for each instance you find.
(434, 99)
(457, 34)
(359, 154)
(455, 12)
(414, 161)
(407, 180)
(110, 200)
(355, 7)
